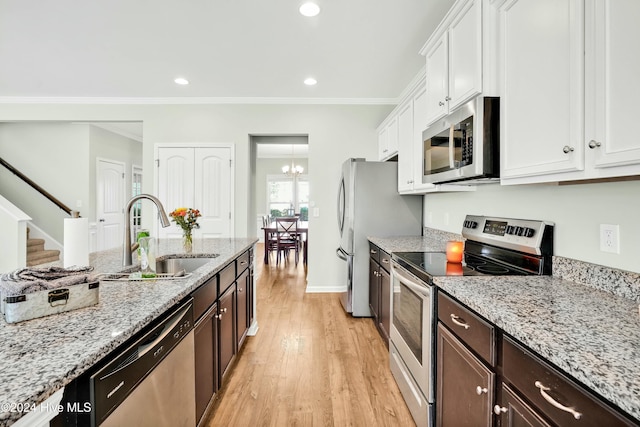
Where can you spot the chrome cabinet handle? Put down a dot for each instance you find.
(373, 251)
(480, 390)
(577, 415)
(385, 261)
(239, 290)
(447, 98)
(441, 103)
(566, 149)
(459, 321)
(499, 409)
(593, 144)
(218, 316)
(243, 262)
(224, 310)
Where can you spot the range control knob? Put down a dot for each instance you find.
(470, 224)
(529, 232)
(510, 229)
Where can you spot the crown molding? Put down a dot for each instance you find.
(197, 101)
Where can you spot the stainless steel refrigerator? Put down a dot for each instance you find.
(369, 205)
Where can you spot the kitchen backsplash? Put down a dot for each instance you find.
(618, 282)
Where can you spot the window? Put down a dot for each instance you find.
(286, 192)
(136, 188)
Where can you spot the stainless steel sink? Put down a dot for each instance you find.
(176, 265)
(171, 267)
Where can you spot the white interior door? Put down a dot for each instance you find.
(175, 183)
(212, 191)
(198, 177)
(110, 199)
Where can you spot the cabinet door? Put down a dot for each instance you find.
(419, 125)
(206, 358)
(405, 147)
(464, 386)
(392, 138)
(617, 62)
(226, 329)
(437, 80)
(384, 321)
(512, 411)
(542, 103)
(382, 143)
(465, 54)
(242, 309)
(374, 289)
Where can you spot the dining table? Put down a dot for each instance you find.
(303, 231)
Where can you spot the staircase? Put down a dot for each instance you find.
(37, 254)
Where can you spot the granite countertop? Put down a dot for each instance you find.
(589, 333)
(41, 356)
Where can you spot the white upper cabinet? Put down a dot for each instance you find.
(542, 95)
(569, 89)
(454, 60)
(388, 139)
(406, 141)
(615, 78)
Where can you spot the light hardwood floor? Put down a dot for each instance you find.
(310, 364)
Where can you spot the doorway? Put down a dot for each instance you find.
(273, 190)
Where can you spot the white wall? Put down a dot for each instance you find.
(335, 133)
(61, 158)
(577, 210)
(54, 156)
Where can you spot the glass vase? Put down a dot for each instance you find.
(187, 241)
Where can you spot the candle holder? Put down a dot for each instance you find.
(454, 251)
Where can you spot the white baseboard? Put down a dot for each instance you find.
(325, 289)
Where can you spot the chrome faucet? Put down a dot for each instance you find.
(164, 220)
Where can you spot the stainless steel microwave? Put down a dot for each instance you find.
(464, 147)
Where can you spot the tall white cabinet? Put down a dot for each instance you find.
(454, 56)
(570, 87)
(199, 177)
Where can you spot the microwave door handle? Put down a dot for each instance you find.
(452, 148)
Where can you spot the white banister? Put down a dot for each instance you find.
(13, 236)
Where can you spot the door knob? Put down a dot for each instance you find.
(566, 149)
(101, 220)
(593, 144)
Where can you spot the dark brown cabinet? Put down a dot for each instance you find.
(470, 352)
(223, 307)
(206, 354)
(226, 329)
(552, 395)
(380, 290)
(465, 386)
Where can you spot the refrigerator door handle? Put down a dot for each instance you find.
(341, 205)
(341, 254)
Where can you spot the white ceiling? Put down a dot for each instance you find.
(360, 51)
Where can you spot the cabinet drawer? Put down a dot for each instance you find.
(374, 252)
(243, 262)
(385, 260)
(227, 277)
(470, 328)
(547, 388)
(204, 296)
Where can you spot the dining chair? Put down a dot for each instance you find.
(271, 242)
(287, 238)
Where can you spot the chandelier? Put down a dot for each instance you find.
(292, 169)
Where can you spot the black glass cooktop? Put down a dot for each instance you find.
(431, 264)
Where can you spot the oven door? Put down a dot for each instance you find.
(412, 326)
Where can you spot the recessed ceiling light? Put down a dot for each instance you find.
(310, 81)
(181, 81)
(309, 9)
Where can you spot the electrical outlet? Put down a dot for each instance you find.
(610, 238)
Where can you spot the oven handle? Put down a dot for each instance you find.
(415, 285)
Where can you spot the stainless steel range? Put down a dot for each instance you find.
(493, 246)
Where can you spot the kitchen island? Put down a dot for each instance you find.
(590, 331)
(40, 356)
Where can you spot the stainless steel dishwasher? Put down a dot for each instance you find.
(151, 382)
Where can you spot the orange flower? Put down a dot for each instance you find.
(186, 218)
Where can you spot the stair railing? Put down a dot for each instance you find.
(39, 189)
